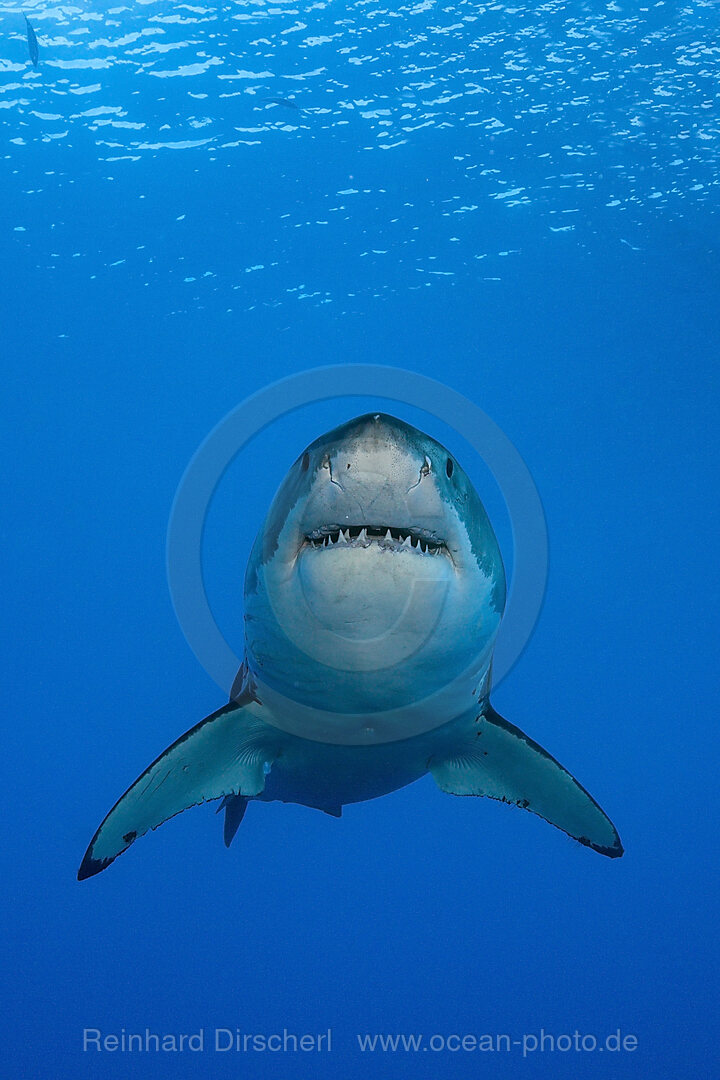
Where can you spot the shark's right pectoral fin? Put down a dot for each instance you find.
(226, 754)
(498, 760)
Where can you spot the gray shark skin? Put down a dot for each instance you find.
(373, 597)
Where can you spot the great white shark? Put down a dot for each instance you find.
(373, 597)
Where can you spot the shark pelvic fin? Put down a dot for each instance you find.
(234, 807)
(501, 762)
(228, 753)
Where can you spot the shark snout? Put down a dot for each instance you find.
(373, 437)
(375, 473)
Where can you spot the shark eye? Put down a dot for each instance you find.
(305, 464)
(449, 467)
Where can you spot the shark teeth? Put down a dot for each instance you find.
(385, 536)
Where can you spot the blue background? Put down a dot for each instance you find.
(580, 313)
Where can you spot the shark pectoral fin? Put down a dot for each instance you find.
(225, 754)
(501, 762)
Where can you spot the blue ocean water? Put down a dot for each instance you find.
(518, 200)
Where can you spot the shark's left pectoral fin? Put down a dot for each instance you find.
(226, 754)
(500, 761)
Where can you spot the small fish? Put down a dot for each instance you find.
(288, 103)
(32, 43)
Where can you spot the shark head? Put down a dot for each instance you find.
(375, 587)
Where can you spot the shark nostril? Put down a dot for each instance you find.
(449, 467)
(305, 465)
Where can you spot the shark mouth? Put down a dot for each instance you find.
(417, 540)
